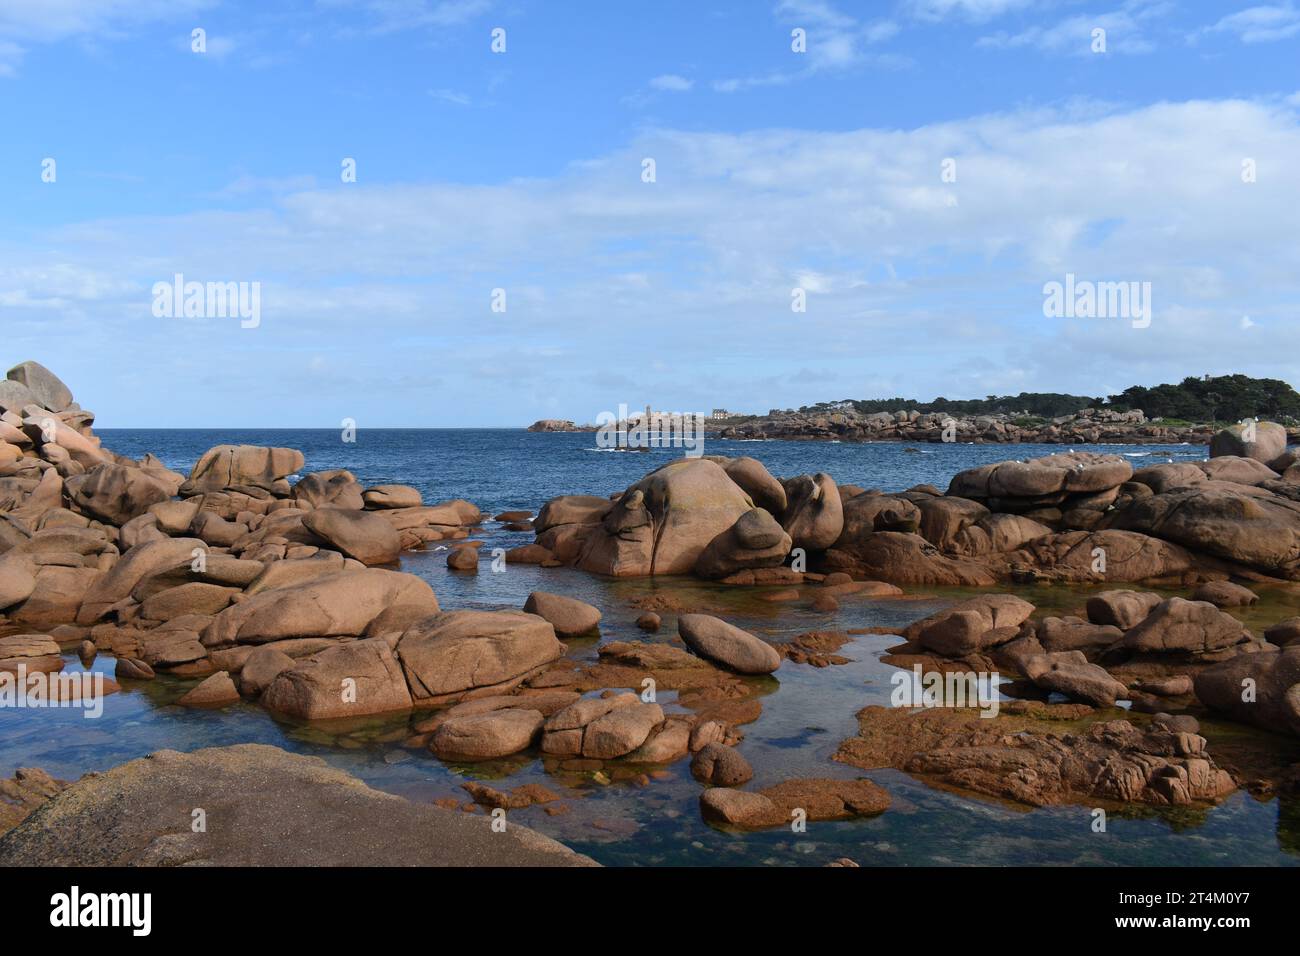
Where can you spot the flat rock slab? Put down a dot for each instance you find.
(265, 807)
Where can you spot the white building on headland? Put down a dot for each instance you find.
(720, 414)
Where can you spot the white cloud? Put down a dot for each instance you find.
(1126, 31)
(389, 16)
(245, 185)
(671, 83)
(51, 20)
(835, 42)
(11, 55)
(737, 83)
(970, 9)
(453, 97)
(23, 23)
(940, 282)
(1262, 24)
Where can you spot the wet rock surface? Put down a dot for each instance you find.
(1025, 755)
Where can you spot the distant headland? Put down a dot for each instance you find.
(1191, 411)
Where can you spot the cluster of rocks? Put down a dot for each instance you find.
(275, 590)
(282, 592)
(1025, 754)
(588, 715)
(715, 517)
(270, 589)
(1088, 426)
(558, 425)
(728, 519)
(86, 534)
(572, 710)
(1135, 646)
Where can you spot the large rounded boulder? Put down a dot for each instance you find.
(353, 603)
(116, 493)
(569, 616)
(754, 480)
(1262, 441)
(1260, 689)
(235, 466)
(330, 489)
(663, 523)
(350, 679)
(725, 644)
(487, 736)
(1185, 627)
(1235, 522)
(756, 540)
(358, 534)
(448, 655)
(970, 625)
(1068, 473)
(814, 514)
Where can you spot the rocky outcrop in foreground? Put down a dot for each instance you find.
(261, 806)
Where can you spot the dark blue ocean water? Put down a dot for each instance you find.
(806, 711)
(501, 469)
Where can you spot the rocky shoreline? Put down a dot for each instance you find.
(284, 593)
(1090, 426)
(1087, 427)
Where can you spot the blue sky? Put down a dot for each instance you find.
(522, 171)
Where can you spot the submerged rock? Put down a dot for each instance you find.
(814, 799)
(216, 691)
(721, 766)
(1225, 594)
(1023, 755)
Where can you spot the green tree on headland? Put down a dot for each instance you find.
(1227, 398)
(1224, 398)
